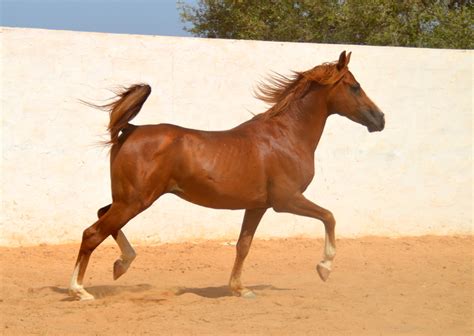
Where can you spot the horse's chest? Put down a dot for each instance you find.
(305, 174)
(294, 172)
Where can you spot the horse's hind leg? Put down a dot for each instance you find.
(252, 218)
(110, 222)
(122, 264)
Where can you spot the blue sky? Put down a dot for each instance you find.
(150, 17)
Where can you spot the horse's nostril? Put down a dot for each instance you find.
(378, 115)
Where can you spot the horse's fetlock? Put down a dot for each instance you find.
(330, 255)
(129, 257)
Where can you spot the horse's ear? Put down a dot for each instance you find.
(343, 60)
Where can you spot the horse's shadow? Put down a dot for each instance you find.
(105, 291)
(100, 292)
(223, 291)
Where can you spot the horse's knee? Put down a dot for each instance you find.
(328, 220)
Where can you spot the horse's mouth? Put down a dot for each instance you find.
(372, 128)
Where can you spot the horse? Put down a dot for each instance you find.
(265, 162)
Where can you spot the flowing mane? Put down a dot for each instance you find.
(282, 91)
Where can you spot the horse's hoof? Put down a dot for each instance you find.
(248, 294)
(81, 294)
(86, 297)
(119, 269)
(323, 271)
(244, 293)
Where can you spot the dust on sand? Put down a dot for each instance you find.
(379, 286)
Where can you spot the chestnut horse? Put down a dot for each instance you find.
(266, 162)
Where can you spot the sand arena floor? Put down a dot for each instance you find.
(380, 286)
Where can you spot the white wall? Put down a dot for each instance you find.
(413, 178)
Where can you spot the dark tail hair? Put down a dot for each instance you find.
(126, 105)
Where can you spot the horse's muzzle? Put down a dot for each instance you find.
(375, 120)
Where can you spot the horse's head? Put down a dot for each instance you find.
(347, 98)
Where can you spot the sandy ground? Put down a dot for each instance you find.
(380, 286)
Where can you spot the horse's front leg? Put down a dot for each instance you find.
(299, 205)
(251, 220)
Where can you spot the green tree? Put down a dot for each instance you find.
(414, 23)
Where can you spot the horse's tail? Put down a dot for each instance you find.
(126, 105)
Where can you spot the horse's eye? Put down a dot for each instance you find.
(355, 88)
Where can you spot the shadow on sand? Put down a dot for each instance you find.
(100, 292)
(106, 291)
(223, 291)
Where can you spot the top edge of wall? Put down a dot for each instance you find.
(6, 29)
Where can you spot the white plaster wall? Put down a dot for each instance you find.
(413, 178)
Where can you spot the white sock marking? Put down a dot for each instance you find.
(74, 285)
(329, 254)
(78, 290)
(128, 253)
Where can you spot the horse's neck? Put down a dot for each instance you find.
(306, 119)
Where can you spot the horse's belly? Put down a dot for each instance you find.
(219, 170)
(212, 194)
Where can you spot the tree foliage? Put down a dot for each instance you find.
(411, 23)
